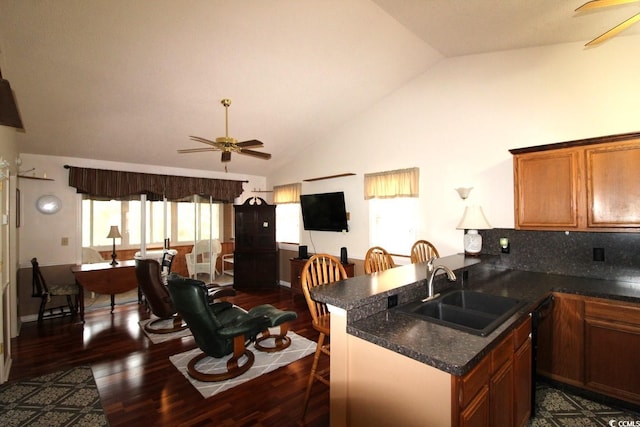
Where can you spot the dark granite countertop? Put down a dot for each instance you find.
(365, 298)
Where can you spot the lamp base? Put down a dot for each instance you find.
(472, 243)
(113, 259)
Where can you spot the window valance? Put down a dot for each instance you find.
(287, 193)
(102, 183)
(395, 183)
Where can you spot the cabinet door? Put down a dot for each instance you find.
(522, 384)
(476, 414)
(612, 345)
(561, 341)
(296, 272)
(546, 189)
(611, 351)
(501, 396)
(255, 227)
(613, 193)
(255, 270)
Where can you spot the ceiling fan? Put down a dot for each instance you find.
(596, 4)
(227, 144)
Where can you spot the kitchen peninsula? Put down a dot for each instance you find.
(389, 368)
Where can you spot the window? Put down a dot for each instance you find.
(183, 221)
(392, 223)
(393, 207)
(288, 223)
(287, 200)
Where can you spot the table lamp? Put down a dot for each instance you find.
(114, 234)
(473, 220)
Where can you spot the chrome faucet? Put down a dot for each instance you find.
(431, 271)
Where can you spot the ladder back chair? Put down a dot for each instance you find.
(41, 290)
(320, 269)
(423, 251)
(377, 259)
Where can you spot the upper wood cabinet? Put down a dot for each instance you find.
(588, 185)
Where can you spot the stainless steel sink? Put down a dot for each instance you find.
(474, 312)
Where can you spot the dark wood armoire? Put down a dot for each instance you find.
(256, 252)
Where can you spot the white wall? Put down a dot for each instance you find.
(456, 123)
(41, 235)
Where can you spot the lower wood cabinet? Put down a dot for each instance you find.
(612, 346)
(561, 340)
(476, 413)
(522, 378)
(594, 344)
(497, 392)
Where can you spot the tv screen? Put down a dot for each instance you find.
(324, 212)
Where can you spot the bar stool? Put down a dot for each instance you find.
(422, 251)
(320, 269)
(377, 259)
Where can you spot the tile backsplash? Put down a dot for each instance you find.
(569, 253)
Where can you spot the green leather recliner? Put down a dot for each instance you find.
(221, 328)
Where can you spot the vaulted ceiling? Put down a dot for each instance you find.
(129, 80)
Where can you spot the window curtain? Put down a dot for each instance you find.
(110, 184)
(288, 193)
(389, 184)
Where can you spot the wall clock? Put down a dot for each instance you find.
(48, 204)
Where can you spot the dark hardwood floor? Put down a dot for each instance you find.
(138, 385)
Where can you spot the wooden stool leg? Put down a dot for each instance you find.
(312, 375)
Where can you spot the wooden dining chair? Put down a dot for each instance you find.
(423, 251)
(320, 269)
(377, 259)
(44, 291)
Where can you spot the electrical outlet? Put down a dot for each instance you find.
(392, 301)
(598, 254)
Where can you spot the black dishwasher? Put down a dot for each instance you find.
(538, 315)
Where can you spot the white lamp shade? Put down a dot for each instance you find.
(114, 232)
(473, 219)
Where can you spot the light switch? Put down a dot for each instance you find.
(64, 241)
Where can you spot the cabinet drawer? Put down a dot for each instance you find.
(522, 333)
(502, 353)
(618, 312)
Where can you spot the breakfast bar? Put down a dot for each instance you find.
(403, 370)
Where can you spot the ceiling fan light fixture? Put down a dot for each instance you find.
(227, 144)
(226, 140)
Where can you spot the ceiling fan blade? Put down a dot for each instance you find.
(250, 143)
(254, 153)
(196, 150)
(615, 30)
(204, 141)
(596, 4)
(226, 156)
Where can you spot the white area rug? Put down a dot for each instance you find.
(265, 362)
(160, 338)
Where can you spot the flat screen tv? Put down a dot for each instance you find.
(324, 212)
